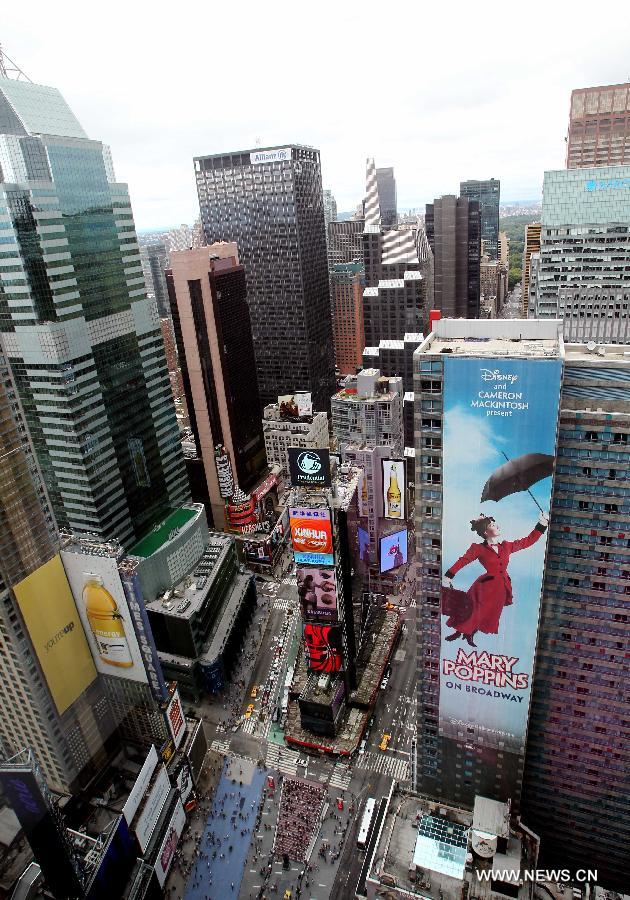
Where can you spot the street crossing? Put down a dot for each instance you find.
(282, 759)
(220, 746)
(341, 776)
(383, 763)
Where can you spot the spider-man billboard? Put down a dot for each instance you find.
(499, 445)
(323, 647)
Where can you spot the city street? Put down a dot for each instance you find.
(252, 741)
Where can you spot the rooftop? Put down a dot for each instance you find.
(495, 337)
(188, 597)
(163, 532)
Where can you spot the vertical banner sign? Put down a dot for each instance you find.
(394, 489)
(500, 422)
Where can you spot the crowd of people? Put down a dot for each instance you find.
(298, 817)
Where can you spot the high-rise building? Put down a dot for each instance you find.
(154, 259)
(504, 249)
(487, 391)
(270, 202)
(487, 194)
(346, 288)
(368, 412)
(283, 430)
(398, 273)
(453, 232)
(576, 793)
(65, 731)
(367, 422)
(330, 209)
(345, 242)
(532, 245)
(395, 358)
(209, 302)
(82, 339)
(581, 276)
(386, 184)
(599, 127)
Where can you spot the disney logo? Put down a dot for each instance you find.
(495, 375)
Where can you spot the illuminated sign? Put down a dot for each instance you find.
(308, 467)
(323, 648)
(311, 536)
(393, 550)
(394, 489)
(317, 592)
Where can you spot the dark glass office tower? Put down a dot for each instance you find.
(386, 184)
(453, 232)
(270, 202)
(82, 339)
(487, 194)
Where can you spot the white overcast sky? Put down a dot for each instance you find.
(442, 91)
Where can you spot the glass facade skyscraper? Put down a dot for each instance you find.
(82, 339)
(270, 203)
(488, 195)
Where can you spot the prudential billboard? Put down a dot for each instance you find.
(500, 421)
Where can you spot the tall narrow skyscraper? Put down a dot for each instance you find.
(488, 195)
(270, 203)
(386, 184)
(81, 337)
(453, 232)
(209, 302)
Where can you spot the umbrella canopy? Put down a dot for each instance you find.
(517, 475)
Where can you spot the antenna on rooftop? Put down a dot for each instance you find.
(9, 69)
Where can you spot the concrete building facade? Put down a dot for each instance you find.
(346, 288)
(599, 127)
(281, 432)
(269, 201)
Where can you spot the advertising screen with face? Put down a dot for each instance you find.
(323, 648)
(317, 590)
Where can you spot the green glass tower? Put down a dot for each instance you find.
(81, 337)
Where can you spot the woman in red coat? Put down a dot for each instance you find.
(492, 591)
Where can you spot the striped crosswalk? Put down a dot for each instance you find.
(220, 746)
(341, 776)
(281, 758)
(282, 603)
(386, 764)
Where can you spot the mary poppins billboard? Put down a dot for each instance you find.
(500, 422)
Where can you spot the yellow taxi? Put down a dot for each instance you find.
(384, 741)
(254, 693)
(248, 714)
(250, 708)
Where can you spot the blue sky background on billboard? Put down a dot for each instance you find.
(473, 445)
(390, 558)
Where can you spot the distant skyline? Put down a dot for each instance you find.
(442, 94)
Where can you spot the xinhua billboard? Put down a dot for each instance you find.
(499, 445)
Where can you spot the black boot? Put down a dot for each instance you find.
(469, 639)
(453, 637)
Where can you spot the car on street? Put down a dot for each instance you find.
(254, 693)
(385, 741)
(247, 715)
(250, 708)
(384, 683)
(363, 745)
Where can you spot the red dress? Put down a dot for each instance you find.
(492, 591)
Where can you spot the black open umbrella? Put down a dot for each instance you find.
(518, 475)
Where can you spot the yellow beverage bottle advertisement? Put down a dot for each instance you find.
(106, 623)
(393, 496)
